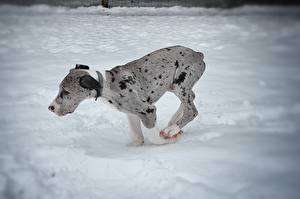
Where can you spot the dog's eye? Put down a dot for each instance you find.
(63, 93)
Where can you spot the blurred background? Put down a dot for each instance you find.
(151, 3)
(244, 143)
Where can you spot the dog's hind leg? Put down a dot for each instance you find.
(189, 111)
(176, 115)
(184, 80)
(154, 136)
(135, 130)
(186, 113)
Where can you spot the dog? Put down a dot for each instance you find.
(133, 88)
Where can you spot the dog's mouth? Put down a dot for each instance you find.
(63, 113)
(69, 112)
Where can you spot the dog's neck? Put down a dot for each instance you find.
(106, 91)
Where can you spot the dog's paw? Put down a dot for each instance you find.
(170, 132)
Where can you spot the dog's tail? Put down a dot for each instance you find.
(201, 55)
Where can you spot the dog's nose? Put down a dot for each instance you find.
(51, 108)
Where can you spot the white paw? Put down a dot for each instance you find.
(170, 131)
(154, 136)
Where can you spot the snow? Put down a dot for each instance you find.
(244, 144)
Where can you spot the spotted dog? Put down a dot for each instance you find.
(133, 88)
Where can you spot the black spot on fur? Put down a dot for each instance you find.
(146, 70)
(122, 85)
(146, 59)
(148, 55)
(159, 76)
(114, 70)
(119, 104)
(129, 80)
(180, 78)
(111, 73)
(140, 70)
(155, 78)
(148, 99)
(150, 110)
(142, 113)
(152, 91)
(162, 66)
(183, 91)
(121, 95)
(130, 90)
(168, 49)
(160, 84)
(110, 101)
(176, 64)
(186, 68)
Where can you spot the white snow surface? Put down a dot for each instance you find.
(245, 143)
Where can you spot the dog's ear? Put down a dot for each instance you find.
(90, 83)
(80, 66)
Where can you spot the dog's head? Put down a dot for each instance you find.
(77, 86)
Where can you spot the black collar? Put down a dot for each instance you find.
(100, 81)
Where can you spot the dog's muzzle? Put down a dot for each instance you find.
(56, 109)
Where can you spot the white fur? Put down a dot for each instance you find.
(93, 74)
(172, 130)
(135, 131)
(154, 137)
(176, 117)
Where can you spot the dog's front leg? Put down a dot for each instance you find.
(148, 118)
(147, 114)
(135, 131)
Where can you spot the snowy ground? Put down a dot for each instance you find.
(244, 144)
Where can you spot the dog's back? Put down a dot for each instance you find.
(157, 72)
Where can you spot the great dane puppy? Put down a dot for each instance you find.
(133, 88)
